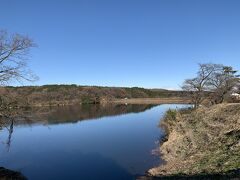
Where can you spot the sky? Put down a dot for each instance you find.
(144, 43)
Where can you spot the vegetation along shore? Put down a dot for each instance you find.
(203, 142)
(59, 95)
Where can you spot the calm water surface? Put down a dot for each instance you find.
(84, 142)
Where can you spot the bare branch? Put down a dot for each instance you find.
(13, 55)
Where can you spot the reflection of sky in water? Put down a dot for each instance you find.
(114, 147)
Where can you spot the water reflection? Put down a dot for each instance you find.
(10, 131)
(8, 127)
(101, 144)
(73, 114)
(69, 114)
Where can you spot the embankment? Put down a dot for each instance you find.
(201, 142)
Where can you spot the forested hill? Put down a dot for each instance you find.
(71, 94)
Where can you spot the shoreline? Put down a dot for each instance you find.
(200, 144)
(172, 100)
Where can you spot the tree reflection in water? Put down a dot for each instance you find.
(10, 131)
(64, 114)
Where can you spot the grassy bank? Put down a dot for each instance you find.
(201, 142)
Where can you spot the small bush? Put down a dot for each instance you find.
(171, 114)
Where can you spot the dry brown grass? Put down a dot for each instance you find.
(171, 100)
(203, 141)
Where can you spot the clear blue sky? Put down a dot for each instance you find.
(146, 43)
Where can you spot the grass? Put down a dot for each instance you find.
(202, 141)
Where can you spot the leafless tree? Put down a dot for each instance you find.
(14, 51)
(13, 66)
(198, 85)
(213, 81)
(222, 82)
(13, 58)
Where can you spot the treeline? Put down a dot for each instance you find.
(74, 94)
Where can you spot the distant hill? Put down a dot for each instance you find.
(74, 94)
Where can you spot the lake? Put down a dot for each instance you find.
(84, 142)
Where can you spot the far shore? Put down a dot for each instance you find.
(172, 100)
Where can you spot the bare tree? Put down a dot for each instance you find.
(198, 86)
(222, 82)
(14, 51)
(213, 81)
(13, 66)
(13, 58)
